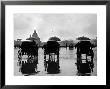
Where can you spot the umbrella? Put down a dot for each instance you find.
(54, 38)
(83, 38)
(80, 39)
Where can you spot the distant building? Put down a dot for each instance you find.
(17, 43)
(34, 37)
(65, 43)
(94, 41)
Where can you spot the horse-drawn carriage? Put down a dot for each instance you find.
(30, 50)
(51, 56)
(84, 65)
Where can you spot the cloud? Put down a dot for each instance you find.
(25, 21)
(62, 25)
(91, 30)
(21, 22)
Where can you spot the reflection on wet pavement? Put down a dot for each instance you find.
(67, 64)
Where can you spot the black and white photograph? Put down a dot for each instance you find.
(55, 44)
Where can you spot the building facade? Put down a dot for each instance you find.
(35, 37)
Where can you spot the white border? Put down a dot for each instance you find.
(100, 79)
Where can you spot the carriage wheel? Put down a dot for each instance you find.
(91, 62)
(36, 59)
(78, 58)
(45, 63)
(91, 65)
(78, 65)
(20, 55)
(58, 59)
(35, 62)
(92, 56)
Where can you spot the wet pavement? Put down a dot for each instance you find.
(67, 64)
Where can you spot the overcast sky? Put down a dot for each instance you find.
(64, 26)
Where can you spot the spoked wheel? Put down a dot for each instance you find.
(20, 54)
(91, 66)
(91, 63)
(78, 58)
(45, 62)
(19, 57)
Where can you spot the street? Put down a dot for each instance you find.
(67, 64)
